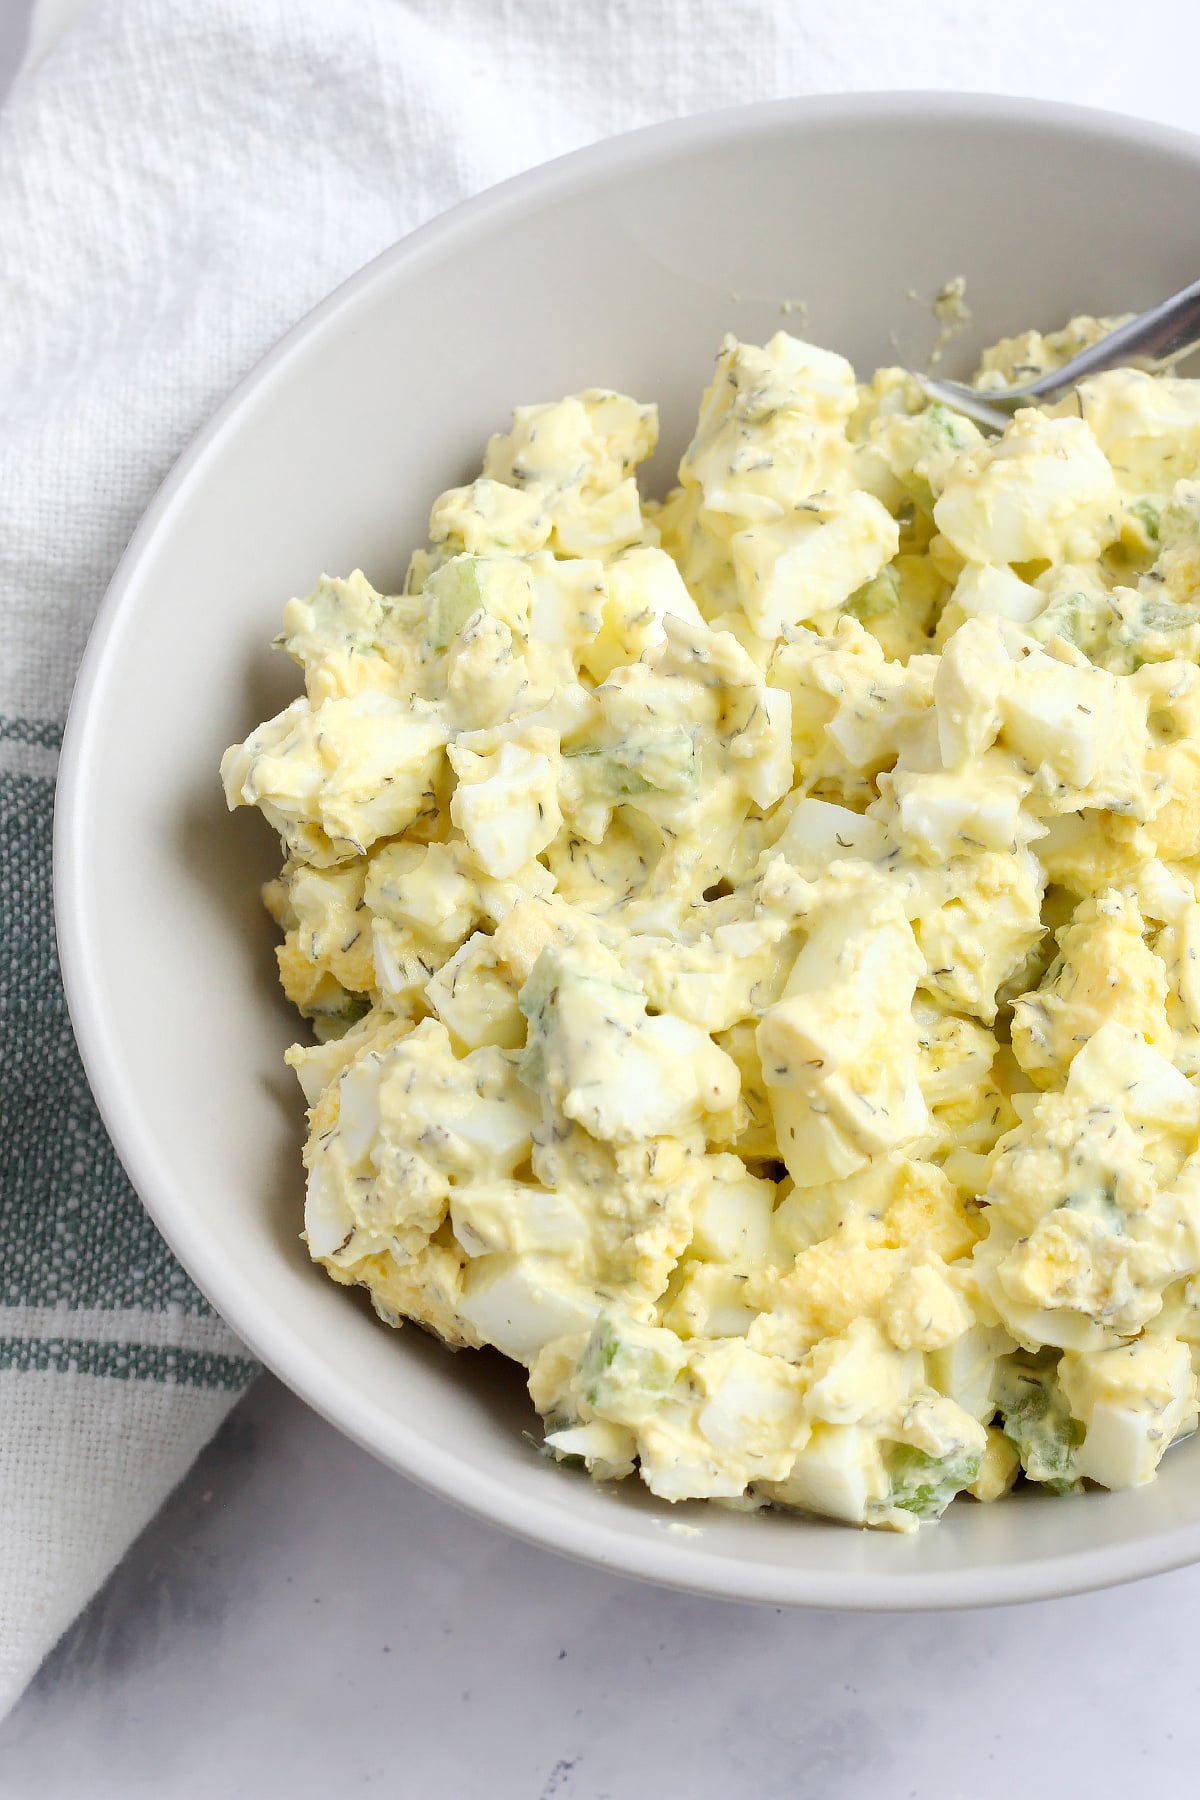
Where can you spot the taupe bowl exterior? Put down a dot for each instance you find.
(621, 266)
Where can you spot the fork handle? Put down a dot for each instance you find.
(1157, 336)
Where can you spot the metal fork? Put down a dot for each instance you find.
(1162, 335)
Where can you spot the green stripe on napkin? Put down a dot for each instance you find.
(72, 1230)
(128, 1362)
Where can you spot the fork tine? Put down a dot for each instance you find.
(992, 416)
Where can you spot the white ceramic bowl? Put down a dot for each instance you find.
(621, 266)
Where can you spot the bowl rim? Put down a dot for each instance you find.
(688, 1567)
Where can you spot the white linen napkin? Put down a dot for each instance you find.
(178, 183)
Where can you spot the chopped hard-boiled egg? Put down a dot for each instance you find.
(752, 937)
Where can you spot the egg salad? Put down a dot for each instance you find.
(752, 938)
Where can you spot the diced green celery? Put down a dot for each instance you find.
(1037, 1421)
(553, 978)
(541, 985)
(626, 1363)
(532, 1067)
(536, 1000)
(1156, 616)
(666, 759)
(879, 595)
(453, 594)
(663, 762)
(1148, 629)
(1160, 631)
(1085, 620)
(925, 1485)
(603, 776)
(943, 428)
(552, 975)
(1148, 517)
(949, 427)
(932, 439)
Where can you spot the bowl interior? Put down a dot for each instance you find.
(620, 267)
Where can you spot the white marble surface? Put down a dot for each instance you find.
(302, 1624)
